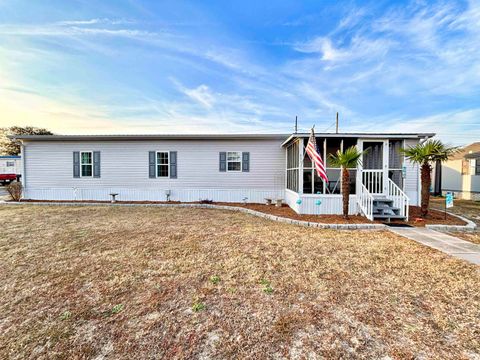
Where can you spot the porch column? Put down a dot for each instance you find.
(359, 168)
(386, 156)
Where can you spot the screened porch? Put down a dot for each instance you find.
(381, 168)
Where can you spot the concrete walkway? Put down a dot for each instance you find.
(448, 244)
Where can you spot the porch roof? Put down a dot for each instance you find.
(362, 135)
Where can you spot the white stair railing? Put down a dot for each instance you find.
(400, 199)
(365, 201)
(373, 180)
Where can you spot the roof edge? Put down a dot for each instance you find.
(211, 136)
(146, 137)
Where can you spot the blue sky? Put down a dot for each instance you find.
(133, 66)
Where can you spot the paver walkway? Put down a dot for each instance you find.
(448, 244)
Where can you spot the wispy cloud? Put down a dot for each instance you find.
(94, 22)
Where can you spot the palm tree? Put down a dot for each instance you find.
(425, 154)
(349, 158)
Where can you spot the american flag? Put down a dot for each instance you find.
(313, 154)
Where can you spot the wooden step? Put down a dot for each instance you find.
(376, 216)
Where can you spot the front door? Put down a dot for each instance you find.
(374, 167)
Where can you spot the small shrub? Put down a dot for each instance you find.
(198, 306)
(117, 308)
(206, 201)
(65, 315)
(15, 190)
(267, 289)
(214, 279)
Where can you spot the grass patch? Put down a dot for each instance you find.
(215, 279)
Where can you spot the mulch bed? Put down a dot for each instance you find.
(434, 216)
(287, 212)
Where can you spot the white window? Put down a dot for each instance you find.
(86, 164)
(234, 161)
(162, 164)
(10, 163)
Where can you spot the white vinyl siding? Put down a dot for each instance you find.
(411, 185)
(197, 164)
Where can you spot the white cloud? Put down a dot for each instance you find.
(359, 48)
(202, 94)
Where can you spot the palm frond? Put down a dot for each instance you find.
(349, 158)
(429, 152)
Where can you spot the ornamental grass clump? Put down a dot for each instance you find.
(15, 190)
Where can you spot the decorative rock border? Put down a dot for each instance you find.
(222, 207)
(471, 226)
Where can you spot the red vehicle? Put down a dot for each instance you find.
(10, 168)
(7, 178)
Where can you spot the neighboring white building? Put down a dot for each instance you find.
(222, 168)
(10, 164)
(461, 174)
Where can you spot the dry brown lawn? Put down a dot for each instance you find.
(473, 237)
(136, 282)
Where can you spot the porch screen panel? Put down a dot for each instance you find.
(347, 143)
(334, 185)
(333, 145)
(334, 181)
(395, 162)
(293, 166)
(373, 158)
(312, 183)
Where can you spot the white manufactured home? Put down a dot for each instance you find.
(222, 168)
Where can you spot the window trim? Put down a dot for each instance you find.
(81, 163)
(241, 161)
(157, 164)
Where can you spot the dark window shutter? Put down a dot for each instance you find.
(76, 164)
(96, 164)
(246, 162)
(173, 164)
(223, 161)
(477, 166)
(151, 164)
